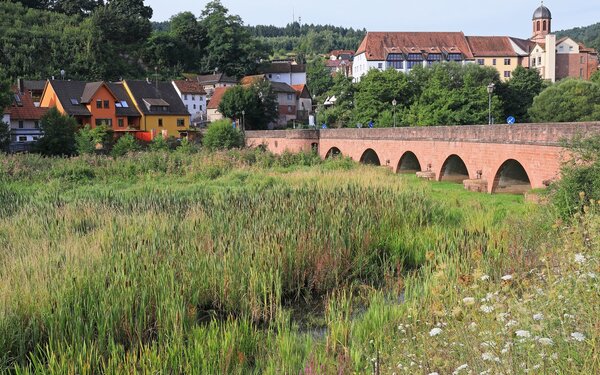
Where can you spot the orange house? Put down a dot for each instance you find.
(93, 103)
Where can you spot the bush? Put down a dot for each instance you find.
(125, 144)
(221, 135)
(580, 180)
(159, 143)
(87, 139)
(4, 137)
(59, 134)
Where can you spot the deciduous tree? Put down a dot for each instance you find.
(569, 100)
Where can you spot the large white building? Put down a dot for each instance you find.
(285, 72)
(194, 98)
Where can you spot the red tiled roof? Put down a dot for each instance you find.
(374, 44)
(339, 52)
(491, 46)
(27, 110)
(217, 97)
(301, 89)
(249, 80)
(190, 87)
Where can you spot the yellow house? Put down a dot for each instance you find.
(163, 111)
(503, 53)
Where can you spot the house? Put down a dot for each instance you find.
(340, 61)
(503, 53)
(303, 102)
(286, 72)
(194, 98)
(24, 118)
(341, 54)
(404, 50)
(210, 82)
(161, 108)
(575, 60)
(212, 108)
(93, 103)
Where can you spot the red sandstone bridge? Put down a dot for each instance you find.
(496, 159)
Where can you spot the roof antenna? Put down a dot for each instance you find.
(156, 75)
(63, 74)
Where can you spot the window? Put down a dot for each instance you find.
(180, 122)
(506, 61)
(36, 124)
(104, 121)
(98, 103)
(415, 57)
(544, 28)
(20, 124)
(455, 57)
(494, 62)
(538, 25)
(506, 74)
(540, 60)
(581, 59)
(410, 64)
(480, 61)
(74, 102)
(106, 104)
(124, 104)
(118, 105)
(193, 97)
(121, 123)
(22, 138)
(160, 122)
(395, 64)
(289, 109)
(200, 107)
(533, 62)
(185, 97)
(291, 96)
(379, 65)
(194, 106)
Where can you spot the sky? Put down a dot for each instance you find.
(473, 17)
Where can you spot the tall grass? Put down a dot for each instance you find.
(175, 264)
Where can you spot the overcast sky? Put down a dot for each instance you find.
(474, 17)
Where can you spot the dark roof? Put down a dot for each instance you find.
(283, 67)
(23, 107)
(525, 44)
(491, 46)
(119, 91)
(66, 91)
(190, 87)
(34, 85)
(376, 45)
(302, 91)
(144, 91)
(217, 97)
(212, 79)
(282, 88)
(542, 13)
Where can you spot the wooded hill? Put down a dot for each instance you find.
(588, 35)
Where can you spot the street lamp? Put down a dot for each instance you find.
(394, 102)
(243, 120)
(490, 90)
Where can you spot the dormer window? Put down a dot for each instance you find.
(156, 105)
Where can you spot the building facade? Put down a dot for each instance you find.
(193, 96)
(286, 72)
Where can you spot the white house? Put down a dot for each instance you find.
(286, 72)
(194, 98)
(405, 50)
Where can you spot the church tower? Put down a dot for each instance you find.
(542, 22)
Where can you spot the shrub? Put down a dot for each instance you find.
(186, 147)
(4, 136)
(87, 139)
(125, 144)
(59, 134)
(221, 135)
(159, 143)
(580, 180)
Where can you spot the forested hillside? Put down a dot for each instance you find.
(589, 35)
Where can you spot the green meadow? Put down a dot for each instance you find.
(244, 262)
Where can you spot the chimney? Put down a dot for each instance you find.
(20, 85)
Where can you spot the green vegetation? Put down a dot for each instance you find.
(88, 140)
(256, 105)
(125, 144)
(221, 135)
(246, 262)
(59, 134)
(568, 100)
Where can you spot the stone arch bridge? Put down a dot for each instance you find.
(494, 159)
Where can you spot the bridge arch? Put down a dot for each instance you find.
(454, 169)
(511, 178)
(370, 157)
(333, 152)
(409, 163)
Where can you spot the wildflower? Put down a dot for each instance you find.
(578, 336)
(487, 356)
(546, 341)
(473, 326)
(485, 278)
(435, 332)
(538, 317)
(468, 300)
(580, 258)
(569, 316)
(486, 308)
(591, 275)
(460, 368)
(433, 373)
(507, 277)
(511, 323)
(523, 333)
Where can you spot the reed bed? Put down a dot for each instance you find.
(169, 263)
